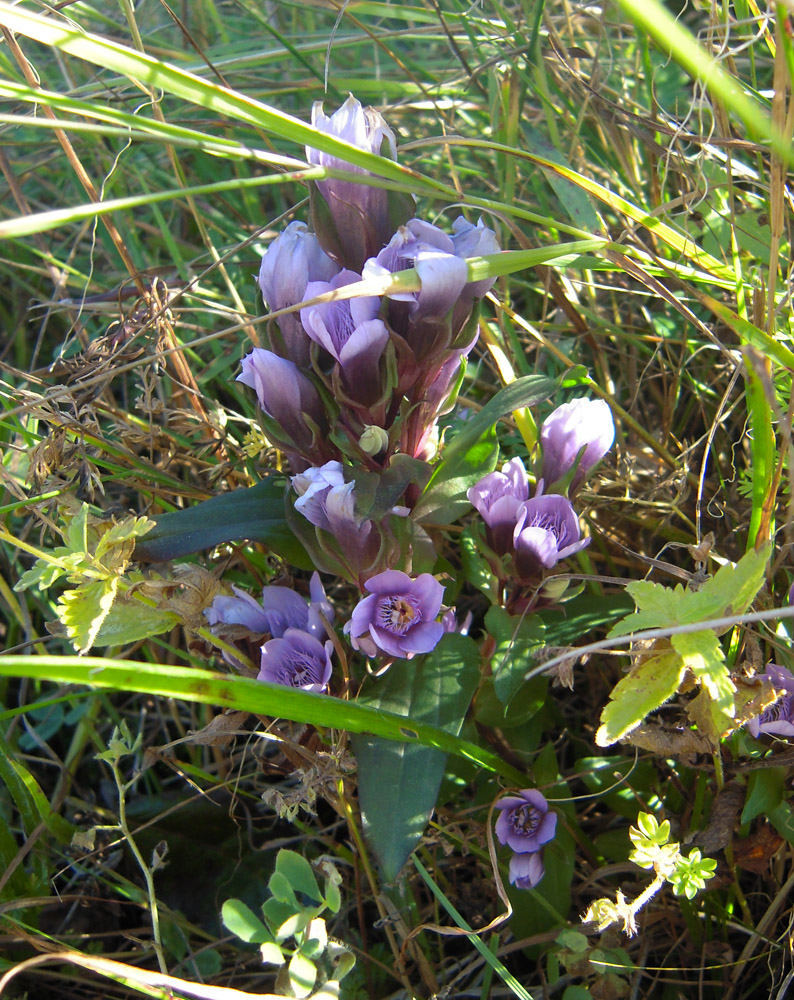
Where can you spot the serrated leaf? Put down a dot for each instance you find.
(730, 591)
(398, 783)
(130, 620)
(244, 923)
(703, 655)
(83, 610)
(123, 533)
(643, 690)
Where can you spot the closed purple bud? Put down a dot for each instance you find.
(777, 719)
(525, 823)
(581, 424)
(398, 617)
(547, 531)
(297, 660)
(526, 870)
(350, 331)
(292, 260)
(355, 220)
(285, 394)
(499, 498)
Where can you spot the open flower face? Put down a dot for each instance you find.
(547, 530)
(399, 615)
(581, 424)
(778, 719)
(525, 823)
(297, 660)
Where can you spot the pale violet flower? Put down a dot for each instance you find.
(286, 395)
(291, 262)
(399, 615)
(524, 825)
(778, 719)
(526, 870)
(281, 608)
(546, 531)
(582, 426)
(499, 499)
(355, 220)
(349, 329)
(298, 660)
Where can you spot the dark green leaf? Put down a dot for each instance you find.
(255, 514)
(518, 641)
(764, 792)
(398, 783)
(446, 500)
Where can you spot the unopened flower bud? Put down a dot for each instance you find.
(374, 440)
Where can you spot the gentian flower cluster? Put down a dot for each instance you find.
(538, 532)
(295, 654)
(524, 825)
(376, 370)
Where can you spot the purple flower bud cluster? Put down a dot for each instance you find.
(295, 654)
(540, 531)
(524, 825)
(386, 365)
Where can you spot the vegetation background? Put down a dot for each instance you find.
(659, 133)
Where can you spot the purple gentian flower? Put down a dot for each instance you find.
(526, 870)
(355, 220)
(298, 660)
(474, 241)
(547, 530)
(399, 615)
(286, 395)
(293, 260)
(328, 502)
(525, 823)
(777, 719)
(499, 498)
(441, 272)
(281, 609)
(350, 331)
(581, 424)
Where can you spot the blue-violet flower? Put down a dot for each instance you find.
(777, 719)
(499, 498)
(293, 260)
(525, 823)
(526, 870)
(399, 615)
(581, 424)
(298, 660)
(547, 530)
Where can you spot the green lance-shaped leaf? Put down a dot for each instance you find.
(255, 514)
(398, 783)
(469, 455)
